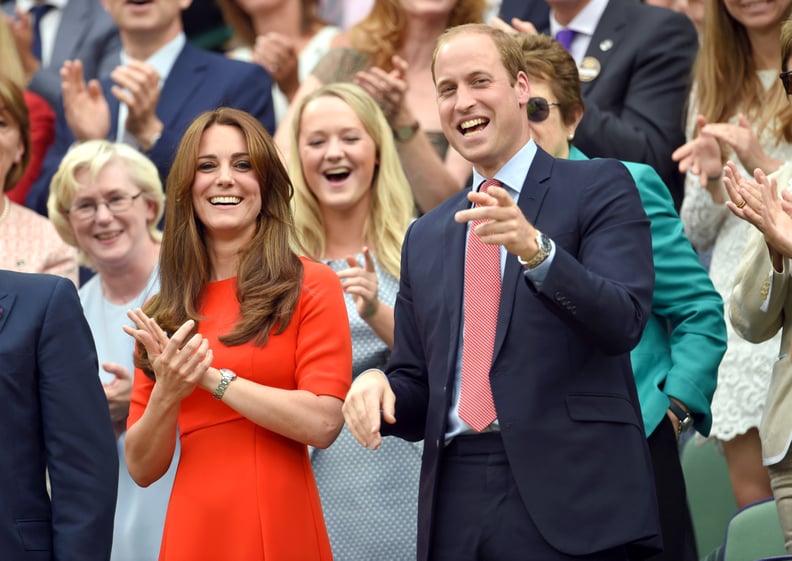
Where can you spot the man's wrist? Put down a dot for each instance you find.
(682, 414)
(148, 142)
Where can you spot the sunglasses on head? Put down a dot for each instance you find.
(786, 79)
(539, 109)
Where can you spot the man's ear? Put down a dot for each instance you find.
(523, 88)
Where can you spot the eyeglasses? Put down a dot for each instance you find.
(539, 109)
(116, 203)
(786, 79)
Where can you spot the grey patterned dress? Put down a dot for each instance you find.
(369, 498)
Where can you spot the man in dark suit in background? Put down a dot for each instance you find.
(537, 12)
(513, 327)
(54, 419)
(635, 62)
(83, 31)
(161, 85)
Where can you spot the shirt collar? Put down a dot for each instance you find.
(163, 60)
(585, 23)
(26, 5)
(513, 173)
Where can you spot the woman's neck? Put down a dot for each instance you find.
(766, 47)
(286, 19)
(419, 42)
(344, 232)
(123, 284)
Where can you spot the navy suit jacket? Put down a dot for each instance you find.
(54, 417)
(199, 81)
(561, 376)
(535, 11)
(635, 107)
(86, 32)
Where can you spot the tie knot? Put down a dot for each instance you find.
(39, 10)
(485, 185)
(565, 37)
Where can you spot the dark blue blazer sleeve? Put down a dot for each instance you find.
(78, 435)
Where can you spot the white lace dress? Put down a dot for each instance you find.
(744, 374)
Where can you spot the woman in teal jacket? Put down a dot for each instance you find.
(676, 362)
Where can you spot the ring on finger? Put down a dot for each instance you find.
(741, 204)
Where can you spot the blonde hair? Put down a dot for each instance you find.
(92, 156)
(392, 204)
(726, 80)
(381, 34)
(786, 43)
(10, 63)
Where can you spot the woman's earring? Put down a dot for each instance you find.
(571, 137)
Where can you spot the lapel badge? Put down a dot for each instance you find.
(589, 69)
(605, 45)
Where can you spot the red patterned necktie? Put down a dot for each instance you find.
(482, 296)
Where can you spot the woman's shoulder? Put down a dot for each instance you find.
(317, 273)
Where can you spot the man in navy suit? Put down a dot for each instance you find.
(54, 420)
(635, 62)
(83, 31)
(162, 84)
(537, 12)
(559, 469)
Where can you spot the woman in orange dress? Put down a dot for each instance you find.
(246, 350)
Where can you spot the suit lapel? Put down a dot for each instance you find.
(185, 76)
(452, 254)
(70, 30)
(6, 301)
(113, 105)
(606, 39)
(533, 193)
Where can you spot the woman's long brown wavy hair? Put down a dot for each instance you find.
(269, 275)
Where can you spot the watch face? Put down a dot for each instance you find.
(404, 133)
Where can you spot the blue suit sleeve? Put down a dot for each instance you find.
(78, 434)
(407, 359)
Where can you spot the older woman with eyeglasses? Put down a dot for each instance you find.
(761, 300)
(106, 200)
(676, 371)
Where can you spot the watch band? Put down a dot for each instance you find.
(684, 418)
(227, 377)
(544, 245)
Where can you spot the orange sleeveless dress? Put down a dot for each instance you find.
(243, 493)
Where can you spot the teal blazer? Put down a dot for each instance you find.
(685, 337)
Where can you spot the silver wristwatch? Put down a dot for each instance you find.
(227, 377)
